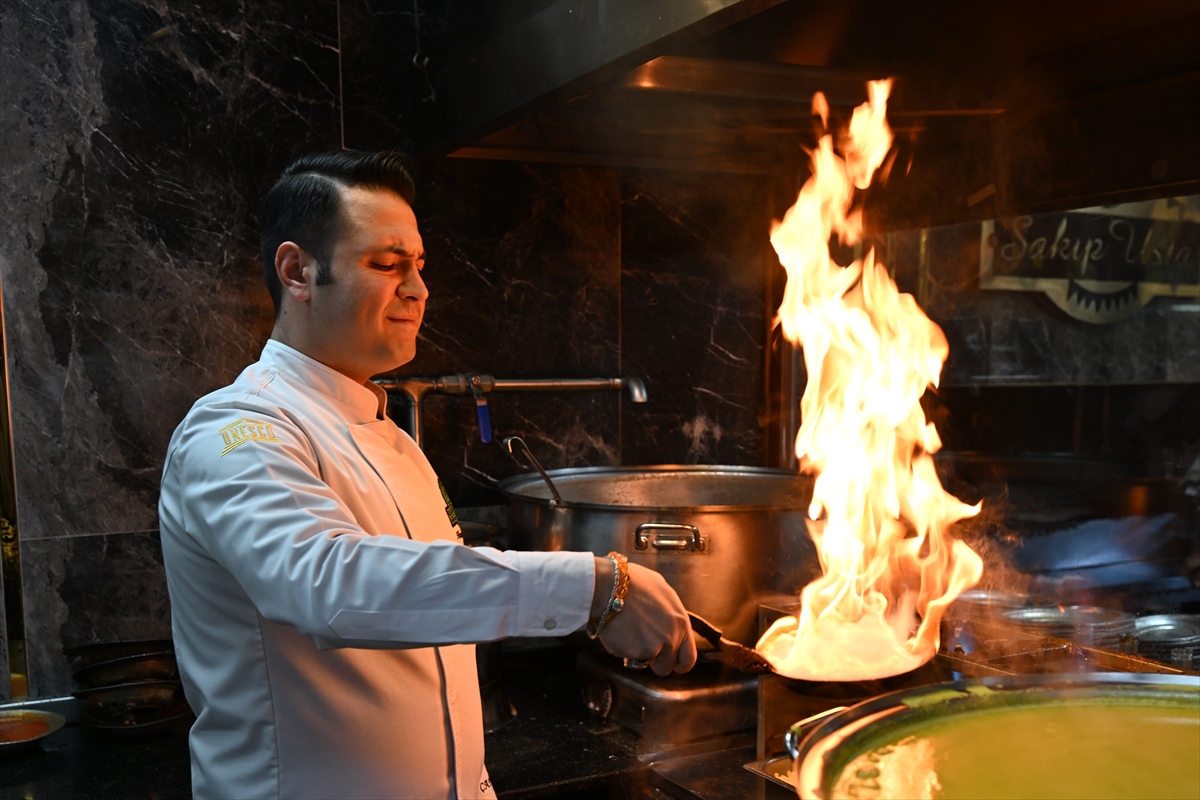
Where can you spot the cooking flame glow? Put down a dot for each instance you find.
(879, 515)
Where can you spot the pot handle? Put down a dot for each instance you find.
(693, 542)
(796, 734)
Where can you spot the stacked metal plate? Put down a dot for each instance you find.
(983, 604)
(1088, 625)
(1170, 638)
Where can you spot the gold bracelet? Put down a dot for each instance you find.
(616, 601)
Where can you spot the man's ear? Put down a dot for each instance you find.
(297, 270)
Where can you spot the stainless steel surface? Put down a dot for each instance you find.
(1090, 625)
(796, 733)
(985, 603)
(1169, 628)
(88, 654)
(812, 753)
(750, 523)
(1170, 638)
(747, 80)
(670, 709)
(130, 705)
(508, 442)
(151, 666)
(471, 383)
(68, 707)
(561, 52)
(778, 770)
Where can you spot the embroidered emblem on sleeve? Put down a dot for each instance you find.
(246, 430)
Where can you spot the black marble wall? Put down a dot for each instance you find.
(694, 316)
(136, 141)
(539, 271)
(524, 274)
(138, 138)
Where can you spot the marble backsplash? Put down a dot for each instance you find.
(137, 143)
(580, 272)
(138, 138)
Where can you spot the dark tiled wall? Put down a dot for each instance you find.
(524, 273)
(137, 140)
(539, 271)
(693, 318)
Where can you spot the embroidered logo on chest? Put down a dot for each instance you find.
(450, 513)
(246, 430)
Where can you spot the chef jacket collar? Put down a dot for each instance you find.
(368, 401)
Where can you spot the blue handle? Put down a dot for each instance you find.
(485, 420)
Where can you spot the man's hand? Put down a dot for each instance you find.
(653, 626)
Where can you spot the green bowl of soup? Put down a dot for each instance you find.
(1105, 735)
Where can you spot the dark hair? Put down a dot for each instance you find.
(305, 205)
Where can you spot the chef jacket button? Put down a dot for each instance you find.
(550, 624)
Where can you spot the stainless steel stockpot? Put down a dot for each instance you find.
(726, 538)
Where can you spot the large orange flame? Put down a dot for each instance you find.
(879, 516)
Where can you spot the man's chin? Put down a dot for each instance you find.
(399, 358)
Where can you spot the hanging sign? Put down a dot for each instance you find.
(1098, 264)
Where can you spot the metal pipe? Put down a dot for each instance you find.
(463, 383)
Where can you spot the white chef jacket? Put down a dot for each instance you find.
(320, 602)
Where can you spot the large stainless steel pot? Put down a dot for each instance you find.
(724, 537)
(883, 747)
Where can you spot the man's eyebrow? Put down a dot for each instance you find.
(400, 251)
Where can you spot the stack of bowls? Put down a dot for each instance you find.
(129, 689)
(985, 604)
(1088, 625)
(1170, 638)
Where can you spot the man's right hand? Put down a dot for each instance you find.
(653, 625)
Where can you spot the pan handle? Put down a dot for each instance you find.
(690, 541)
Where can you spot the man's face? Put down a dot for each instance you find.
(373, 309)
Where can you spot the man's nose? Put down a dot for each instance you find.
(413, 287)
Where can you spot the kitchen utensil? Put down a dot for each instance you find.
(1089, 625)
(88, 654)
(725, 538)
(151, 666)
(142, 707)
(21, 729)
(1075, 735)
(732, 654)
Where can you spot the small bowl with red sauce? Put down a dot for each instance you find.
(22, 728)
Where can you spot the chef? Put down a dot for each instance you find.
(323, 609)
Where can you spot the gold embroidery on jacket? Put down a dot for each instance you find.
(246, 430)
